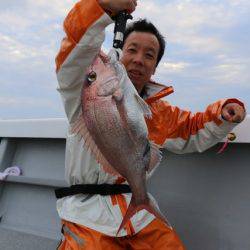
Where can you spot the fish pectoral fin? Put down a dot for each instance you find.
(155, 158)
(80, 128)
(143, 107)
(118, 95)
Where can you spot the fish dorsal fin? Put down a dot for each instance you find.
(155, 158)
(80, 128)
(105, 58)
(144, 107)
(115, 54)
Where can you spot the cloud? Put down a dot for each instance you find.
(207, 46)
(199, 43)
(173, 67)
(187, 22)
(11, 21)
(25, 101)
(13, 51)
(225, 71)
(233, 71)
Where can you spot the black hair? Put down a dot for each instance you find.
(143, 25)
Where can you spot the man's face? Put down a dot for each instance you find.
(140, 53)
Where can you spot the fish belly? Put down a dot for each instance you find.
(116, 135)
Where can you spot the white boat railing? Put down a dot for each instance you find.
(57, 128)
(205, 196)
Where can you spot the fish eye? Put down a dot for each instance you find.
(91, 77)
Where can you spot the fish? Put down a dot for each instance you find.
(112, 124)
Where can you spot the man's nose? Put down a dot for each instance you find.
(138, 59)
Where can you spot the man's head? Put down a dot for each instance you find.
(142, 51)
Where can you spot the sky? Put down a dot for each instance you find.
(207, 55)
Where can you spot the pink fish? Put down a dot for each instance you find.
(113, 127)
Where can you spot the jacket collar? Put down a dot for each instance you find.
(154, 91)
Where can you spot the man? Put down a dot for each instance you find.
(91, 221)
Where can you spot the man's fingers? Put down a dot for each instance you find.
(237, 119)
(132, 6)
(226, 116)
(238, 114)
(115, 6)
(234, 116)
(233, 113)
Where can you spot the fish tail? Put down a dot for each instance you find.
(133, 209)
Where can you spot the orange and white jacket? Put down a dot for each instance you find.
(174, 129)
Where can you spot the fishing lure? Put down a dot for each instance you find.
(230, 137)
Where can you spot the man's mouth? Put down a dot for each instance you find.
(134, 73)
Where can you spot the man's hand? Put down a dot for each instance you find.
(233, 112)
(115, 6)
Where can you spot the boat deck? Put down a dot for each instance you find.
(206, 196)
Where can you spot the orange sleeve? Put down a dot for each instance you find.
(79, 19)
(233, 100)
(170, 122)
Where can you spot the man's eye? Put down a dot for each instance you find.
(131, 50)
(150, 56)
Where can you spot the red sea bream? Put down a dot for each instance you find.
(113, 126)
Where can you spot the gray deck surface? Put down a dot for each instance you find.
(205, 196)
(13, 240)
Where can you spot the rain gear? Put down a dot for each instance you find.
(176, 130)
